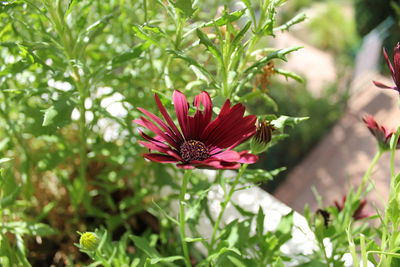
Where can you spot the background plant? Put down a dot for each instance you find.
(71, 74)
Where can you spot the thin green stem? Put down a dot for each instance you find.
(225, 203)
(182, 221)
(392, 157)
(368, 173)
(388, 240)
(69, 45)
(322, 248)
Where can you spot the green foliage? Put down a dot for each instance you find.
(72, 75)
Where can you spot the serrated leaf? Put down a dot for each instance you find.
(49, 115)
(59, 114)
(210, 46)
(225, 18)
(283, 121)
(280, 54)
(295, 20)
(289, 74)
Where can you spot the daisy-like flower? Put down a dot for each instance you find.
(381, 133)
(359, 213)
(394, 69)
(200, 142)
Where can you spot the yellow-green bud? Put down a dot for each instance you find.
(89, 241)
(263, 136)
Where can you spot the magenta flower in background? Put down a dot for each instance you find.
(359, 213)
(394, 69)
(381, 133)
(200, 142)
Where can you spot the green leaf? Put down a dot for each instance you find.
(257, 94)
(289, 74)
(49, 115)
(261, 175)
(140, 33)
(71, 5)
(25, 228)
(166, 259)
(59, 114)
(278, 263)
(238, 38)
(10, 198)
(236, 261)
(193, 240)
(184, 6)
(133, 53)
(295, 20)
(190, 61)
(260, 221)
(226, 18)
(210, 46)
(286, 223)
(144, 246)
(283, 121)
(280, 54)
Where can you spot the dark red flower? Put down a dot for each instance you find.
(200, 142)
(359, 213)
(394, 70)
(381, 133)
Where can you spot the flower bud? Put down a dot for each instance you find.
(263, 136)
(89, 241)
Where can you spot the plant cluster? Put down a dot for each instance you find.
(90, 138)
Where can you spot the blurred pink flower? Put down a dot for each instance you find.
(359, 213)
(394, 70)
(200, 142)
(381, 133)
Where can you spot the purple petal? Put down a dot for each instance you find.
(227, 155)
(162, 124)
(384, 86)
(181, 109)
(247, 158)
(167, 117)
(160, 158)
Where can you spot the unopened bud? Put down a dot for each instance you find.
(89, 241)
(263, 136)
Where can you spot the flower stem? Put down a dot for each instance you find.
(225, 203)
(368, 173)
(182, 221)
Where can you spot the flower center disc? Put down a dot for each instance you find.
(193, 150)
